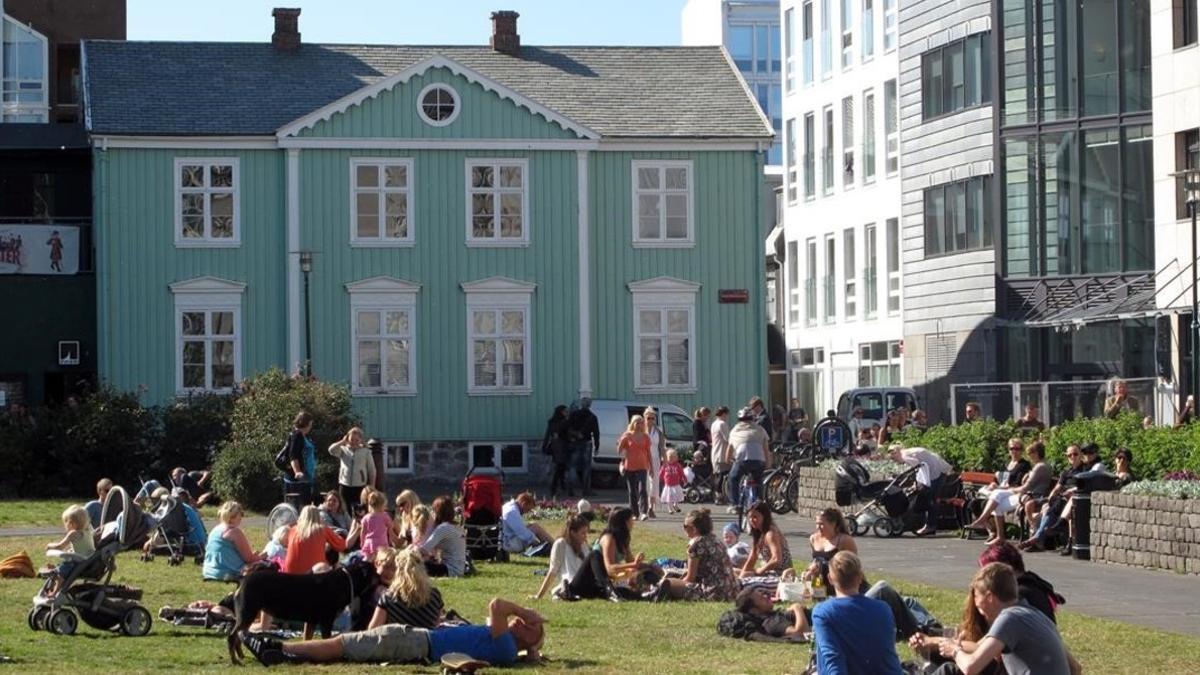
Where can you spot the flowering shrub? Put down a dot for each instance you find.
(880, 467)
(547, 509)
(1181, 475)
(1173, 489)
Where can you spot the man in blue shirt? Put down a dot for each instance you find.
(510, 629)
(515, 534)
(854, 634)
(95, 506)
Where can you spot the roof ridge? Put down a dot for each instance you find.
(482, 47)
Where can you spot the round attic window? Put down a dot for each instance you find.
(438, 105)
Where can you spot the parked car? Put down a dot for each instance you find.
(614, 415)
(875, 401)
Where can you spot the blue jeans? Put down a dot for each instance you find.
(741, 468)
(581, 457)
(929, 499)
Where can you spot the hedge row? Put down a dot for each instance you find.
(982, 446)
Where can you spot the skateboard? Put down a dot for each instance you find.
(461, 664)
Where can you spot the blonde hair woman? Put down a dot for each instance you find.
(658, 451)
(228, 550)
(402, 523)
(411, 599)
(356, 467)
(420, 524)
(634, 448)
(306, 542)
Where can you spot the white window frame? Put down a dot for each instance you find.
(662, 165)
(893, 255)
(497, 447)
(664, 294)
(207, 295)
(789, 49)
(383, 294)
(890, 35)
(380, 163)
(40, 110)
(496, 241)
(789, 158)
(849, 276)
(891, 150)
(387, 453)
(207, 241)
(846, 12)
(499, 294)
(794, 284)
(421, 105)
(867, 16)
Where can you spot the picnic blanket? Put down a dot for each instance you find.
(17, 566)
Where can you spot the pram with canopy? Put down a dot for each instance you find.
(482, 490)
(173, 534)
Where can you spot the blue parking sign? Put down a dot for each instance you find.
(832, 437)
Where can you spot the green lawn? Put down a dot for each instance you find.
(48, 512)
(584, 636)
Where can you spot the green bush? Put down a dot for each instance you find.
(263, 411)
(190, 430)
(980, 446)
(111, 434)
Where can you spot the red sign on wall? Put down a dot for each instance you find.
(738, 296)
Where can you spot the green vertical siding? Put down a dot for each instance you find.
(136, 259)
(440, 261)
(393, 114)
(728, 253)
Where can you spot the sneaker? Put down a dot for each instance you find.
(643, 517)
(731, 509)
(260, 644)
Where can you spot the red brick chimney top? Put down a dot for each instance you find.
(504, 33)
(286, 37)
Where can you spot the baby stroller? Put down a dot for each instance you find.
(87, 587)
(481, 503)
(172, 534)
(703, 484)
(889, 509)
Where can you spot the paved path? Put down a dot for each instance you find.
(1160, 600)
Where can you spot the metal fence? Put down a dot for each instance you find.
(1059, 401)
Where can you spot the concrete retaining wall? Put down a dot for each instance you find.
(816, 491)
(1150, 532)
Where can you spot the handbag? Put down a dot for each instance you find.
(791, 591)
(283, 459)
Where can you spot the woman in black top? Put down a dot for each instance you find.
(555, 444)
(700, 433)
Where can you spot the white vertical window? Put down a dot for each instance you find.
(830, 281)
(498, 336)
(810, 156)
(849, 274)
(789, 49)
(826, 38)
(893, 265)
(664, 321)
(497, 202)
(793, 282)
(848, 142)
(868, 136)
(827, 152)
(24, 63)
(790, 139)
(868, 30)
(891, 128)
(871, 271)
(847, 33)
(381, 202)
(206, 202)
(208, 335)
(662, 203)
(806, 39)
(383, 313)
(397, 457)
(889, 25)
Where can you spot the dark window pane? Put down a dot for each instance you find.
(935, 206)
(1099, 57)
(1100, 201)
(1137, 156)
(1061, 184)
(1135, 54)
(1020, 179)
(1058, 60)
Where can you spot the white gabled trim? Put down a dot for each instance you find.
(583, 265)
(626, 144)
(187, 142)
(437, 61)
(383, 284)
(498, 285)
(206, 284)
(292, 255)
(436, 143)
(664, 289)
(746, 90)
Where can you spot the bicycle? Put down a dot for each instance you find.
(747, 497)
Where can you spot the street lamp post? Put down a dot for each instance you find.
(306, 264)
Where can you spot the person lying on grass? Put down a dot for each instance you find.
(510, 630)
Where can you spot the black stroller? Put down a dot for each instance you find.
(171, 536)
(87, 587)
(704, 484)
(889, 509)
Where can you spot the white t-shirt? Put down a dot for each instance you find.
(720, 440)
(934, 466)
(564, 562)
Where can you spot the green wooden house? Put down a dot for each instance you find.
(472, 234)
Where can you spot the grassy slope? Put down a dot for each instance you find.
(585, 636)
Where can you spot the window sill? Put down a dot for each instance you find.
(1184, 48)
(381, 243)
(645, 243)
(184, 393)
(944, 115)
(207, 243)
(665, 390)
(498, 243)
(367, 393)
(947, 254)
(524, 391)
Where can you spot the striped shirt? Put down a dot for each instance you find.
(428, 615)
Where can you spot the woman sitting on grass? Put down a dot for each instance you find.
(567, 557)
(333, 513)
(307, 540)
(767, 542)
(610, 566)
(709, 573)
(228, 550)
(445, 549)
(406, 501)
(411, 599)
(832, 536)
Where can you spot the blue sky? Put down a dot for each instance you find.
(545, 22)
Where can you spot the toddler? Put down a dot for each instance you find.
(376, 525)
(276, 549)
(738, 551)
(78, 541)
(672, 479)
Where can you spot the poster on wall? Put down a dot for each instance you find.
(39, 249)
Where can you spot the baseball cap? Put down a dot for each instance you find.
(745, 414)
(584, 506)
(731, 528)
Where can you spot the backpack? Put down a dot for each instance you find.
(283, 458)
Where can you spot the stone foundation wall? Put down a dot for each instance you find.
(816, 491)
(1150, 532)
(440, 467)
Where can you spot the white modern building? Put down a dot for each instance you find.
(842, 197)
(749, 30)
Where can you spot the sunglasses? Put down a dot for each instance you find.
(1072, 454)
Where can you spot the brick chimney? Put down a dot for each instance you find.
(286, 37)
(504, 33)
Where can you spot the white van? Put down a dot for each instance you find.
(614, 416)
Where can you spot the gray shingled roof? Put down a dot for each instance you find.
(220, 88)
